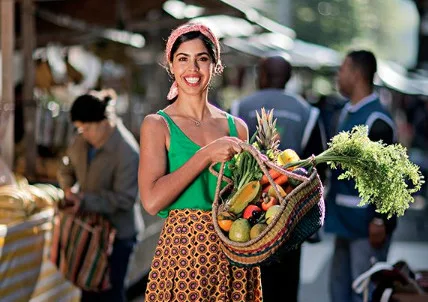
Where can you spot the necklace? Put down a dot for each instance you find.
(196, 122)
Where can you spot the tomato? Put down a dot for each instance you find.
(248, 212)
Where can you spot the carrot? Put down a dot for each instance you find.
(273, 173)
(281, 179)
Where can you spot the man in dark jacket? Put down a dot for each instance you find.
(362, 235)
(300, 129)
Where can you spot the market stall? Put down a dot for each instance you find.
(26, 222)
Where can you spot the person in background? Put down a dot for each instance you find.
(178, 144)
(99, 174)
(300, 129)
(362, 235)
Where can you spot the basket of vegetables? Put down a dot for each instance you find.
(265, 207)
(263, 217)
(274, 200)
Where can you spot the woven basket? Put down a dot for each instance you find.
(301, 215)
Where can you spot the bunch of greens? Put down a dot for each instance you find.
(244, 169)
(383, 173)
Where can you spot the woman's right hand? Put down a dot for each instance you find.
(223, 149)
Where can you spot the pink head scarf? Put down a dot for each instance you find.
(184, 29)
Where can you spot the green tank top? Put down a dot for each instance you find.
(199, 195)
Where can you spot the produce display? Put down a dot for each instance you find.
(383, 174)
(27, 213)
(20, 201)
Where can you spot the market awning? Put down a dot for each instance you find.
(113, 34)
(300, 53)
(400, 79)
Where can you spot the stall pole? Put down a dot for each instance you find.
(28, 44)
(7, 102)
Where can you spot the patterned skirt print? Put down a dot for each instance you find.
(189, 265)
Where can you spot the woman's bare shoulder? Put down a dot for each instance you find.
(242, 128)
(154, 122)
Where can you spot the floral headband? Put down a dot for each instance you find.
(184, 29)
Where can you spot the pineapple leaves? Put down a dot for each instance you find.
(267, 136)
(266, 139)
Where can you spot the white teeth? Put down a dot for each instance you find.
(192, 80)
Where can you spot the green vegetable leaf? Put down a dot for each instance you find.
(244, 170)
(383, 174)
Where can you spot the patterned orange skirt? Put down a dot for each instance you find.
(189, 265)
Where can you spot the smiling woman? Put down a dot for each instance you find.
(207, 50)
(192, 67)
(175, 183)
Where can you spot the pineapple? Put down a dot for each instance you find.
(267, 136)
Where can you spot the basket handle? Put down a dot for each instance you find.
(261, 160)
(220, 177)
